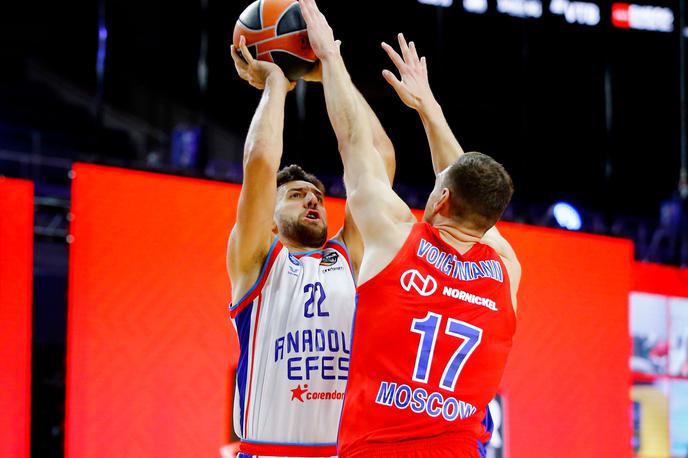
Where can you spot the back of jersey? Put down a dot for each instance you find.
(431, 336)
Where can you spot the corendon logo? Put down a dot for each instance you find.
(297, 393)
(424, 285)
(303, 394)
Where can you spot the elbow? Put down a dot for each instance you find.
(259, 152)
(259, 164)
(386, 148)
(389, 160)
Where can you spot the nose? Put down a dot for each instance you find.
(311, 200)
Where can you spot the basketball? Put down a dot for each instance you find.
(275, 31)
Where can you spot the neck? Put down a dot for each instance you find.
(458, 236)
(295, 247)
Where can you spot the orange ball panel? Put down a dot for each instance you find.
(273, 9)
(252, 36)
(295, 43)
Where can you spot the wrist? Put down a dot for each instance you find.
(428, 106)
(431, 113)
(277, 79)
(330, 56)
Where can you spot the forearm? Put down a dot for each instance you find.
(444, 147)
(343, 104)
(381, 140)
(264, 138)
(349, 121)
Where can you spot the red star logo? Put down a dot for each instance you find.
(297, 392)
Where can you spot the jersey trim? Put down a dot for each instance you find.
(334, 244)
(351, 350)
(250, 377)
(287, 449)
(251, 294)
(344, 251)
(243, 325)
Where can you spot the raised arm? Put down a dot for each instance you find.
(349, 234)
(251, 235)
(414, 90)
(381, 140)
(383, 145)
(375, 207)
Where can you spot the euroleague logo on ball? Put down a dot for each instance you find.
(305, 43)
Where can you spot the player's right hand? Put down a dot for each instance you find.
(255, 71)
(320, 33)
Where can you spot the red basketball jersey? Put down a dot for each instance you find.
(431, 337)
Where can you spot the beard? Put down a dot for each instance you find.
(304, 234)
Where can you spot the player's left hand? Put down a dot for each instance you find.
(413, 88)
(319, 31)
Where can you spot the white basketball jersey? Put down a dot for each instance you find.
(294, 328)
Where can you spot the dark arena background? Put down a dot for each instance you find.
(121, 139)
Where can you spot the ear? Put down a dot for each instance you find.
(441, 206)
(274, 227)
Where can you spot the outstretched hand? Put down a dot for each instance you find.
(320, 33)
(255, 71)
(413, 88)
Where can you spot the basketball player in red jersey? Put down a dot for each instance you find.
(436, 299)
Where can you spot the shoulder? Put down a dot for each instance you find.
(246, 285)
(379, 254)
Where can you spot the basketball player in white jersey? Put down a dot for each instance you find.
(293, 291)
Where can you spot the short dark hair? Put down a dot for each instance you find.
(480, 189)
(295, 173)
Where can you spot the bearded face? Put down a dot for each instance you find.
(304, 234)
(300, 215)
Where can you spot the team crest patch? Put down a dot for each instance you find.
(329, 259)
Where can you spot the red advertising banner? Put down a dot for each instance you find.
(150, 342)
(565, 389)
(16, 271)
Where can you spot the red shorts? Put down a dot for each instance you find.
(437, 447)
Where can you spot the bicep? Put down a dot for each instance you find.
(376, 209)
(351, 237)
